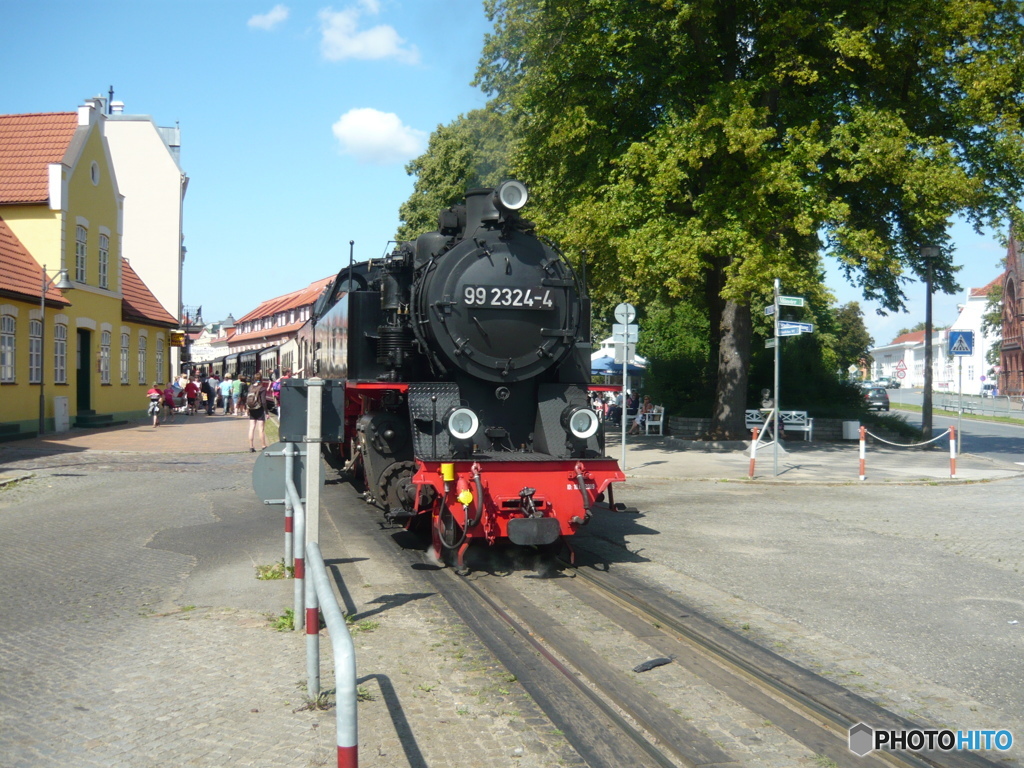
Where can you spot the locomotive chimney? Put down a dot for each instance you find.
(480, 209)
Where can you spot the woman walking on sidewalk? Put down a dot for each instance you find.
(156, 399)
(256, 402)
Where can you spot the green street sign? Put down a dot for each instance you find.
(791, 301)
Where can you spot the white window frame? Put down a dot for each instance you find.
(8, 347)
(35, 351)
(60, 353)
(105, 357)
(141, 358)
(125, 345)
(159, 360)
(81, 252)
(104, 261)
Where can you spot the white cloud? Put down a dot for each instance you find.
(269, 20)
(378, 137)
(342, 38)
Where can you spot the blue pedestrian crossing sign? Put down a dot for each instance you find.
(961, 343)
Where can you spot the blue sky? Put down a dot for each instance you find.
(296, 122)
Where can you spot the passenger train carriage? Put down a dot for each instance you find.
(461, 365)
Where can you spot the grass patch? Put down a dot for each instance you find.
(285, 622)
(274, 571)
(272, 432)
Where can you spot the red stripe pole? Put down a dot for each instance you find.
(952, 452)
(348, 757)
(753, 453)
(863, 440)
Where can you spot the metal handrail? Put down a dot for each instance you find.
(320, 595)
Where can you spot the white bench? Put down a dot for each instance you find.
(796, 421)
(654, 420)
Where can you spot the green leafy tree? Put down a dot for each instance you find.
(469, 152)
(992, 323)
(919, 327)
(696, 150)
(852, 340)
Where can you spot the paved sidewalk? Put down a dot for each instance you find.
(137, 634)
(649, 457)
(200, 434)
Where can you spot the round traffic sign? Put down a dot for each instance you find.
(901, 374)
(625, 313)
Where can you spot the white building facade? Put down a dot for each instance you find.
(146, 160)
(906, 353)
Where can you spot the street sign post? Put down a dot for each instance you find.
(625, 313)
(789, 328)
(961, 343)
(625, 333)
(791, 301)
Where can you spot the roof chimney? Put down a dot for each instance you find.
(117, 107)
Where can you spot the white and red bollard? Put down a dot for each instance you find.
(952, 453)
(753, 453)
(863, 442)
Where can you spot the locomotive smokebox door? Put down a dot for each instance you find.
(295, 405)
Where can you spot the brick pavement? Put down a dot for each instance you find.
(135, 634)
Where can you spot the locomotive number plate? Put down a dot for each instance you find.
(494, 297)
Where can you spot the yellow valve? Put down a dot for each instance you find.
(465, 497)
(447, 472)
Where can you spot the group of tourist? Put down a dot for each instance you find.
(237, 395)
(609, 408)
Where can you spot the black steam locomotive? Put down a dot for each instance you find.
(458, 368)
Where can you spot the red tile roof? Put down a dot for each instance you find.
(293, 300)
(139, 305)
(975, 292)
(915, 337)
(20, 275)
(268, 334)
(28, 144)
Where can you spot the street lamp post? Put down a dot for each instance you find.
(928, 253)
(61, 282)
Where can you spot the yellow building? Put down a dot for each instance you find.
(86, 354)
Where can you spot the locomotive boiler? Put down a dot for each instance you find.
(461, 364)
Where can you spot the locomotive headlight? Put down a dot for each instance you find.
(462, 423)
(581, 421)
(511, 195)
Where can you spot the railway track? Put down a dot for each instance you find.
(611, 718)
(572, 636)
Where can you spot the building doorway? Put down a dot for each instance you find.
(84, 377)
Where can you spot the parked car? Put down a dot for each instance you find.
(988, 390)
(889, 382)
(877, 397)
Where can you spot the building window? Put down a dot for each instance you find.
(7, 327)
(124, 357)
(105, 358)
(160, 360)
(60, 354)
(104, 261)
(35, 351)
(81, 237)
(142, 359)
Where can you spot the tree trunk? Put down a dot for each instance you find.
(727, 420)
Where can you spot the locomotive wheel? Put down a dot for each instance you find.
(397, 489)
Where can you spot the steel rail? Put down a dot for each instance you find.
(829, 713)
(634, 735)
